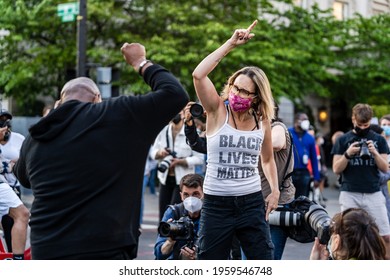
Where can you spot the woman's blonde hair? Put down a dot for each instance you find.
(263, 104)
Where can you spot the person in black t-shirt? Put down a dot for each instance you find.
(358, 155)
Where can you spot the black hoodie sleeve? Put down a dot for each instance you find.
(169, 96)
(156, 108)
(19, 168)
(197, 143)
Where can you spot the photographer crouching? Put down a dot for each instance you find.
(177, 232)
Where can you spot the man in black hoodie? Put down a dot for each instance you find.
(85, 160)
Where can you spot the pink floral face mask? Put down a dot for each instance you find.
(239, 104)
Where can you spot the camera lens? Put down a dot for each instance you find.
(165, 164)
(164, 229)
(284, 218)
(364, 151)
(196, 110)
(319, 221)
(174, 229)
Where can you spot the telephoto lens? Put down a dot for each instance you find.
(319, 221)
(284, 218)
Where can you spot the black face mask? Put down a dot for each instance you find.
(176, 119)
(361, 132)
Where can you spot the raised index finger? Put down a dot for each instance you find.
(252, 26)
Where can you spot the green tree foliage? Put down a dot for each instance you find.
(35, 55)
(300, 50)
(363, 60)
(297, 52)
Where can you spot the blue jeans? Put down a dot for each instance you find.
(152, 180)
(279, 237)
(145, 181)
(301, 180)
(385, 192)
(224, 216)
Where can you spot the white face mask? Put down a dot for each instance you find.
(305, 124)
(192, 204)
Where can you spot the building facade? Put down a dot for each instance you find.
(342, 10)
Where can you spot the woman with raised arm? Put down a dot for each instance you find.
(236, 135)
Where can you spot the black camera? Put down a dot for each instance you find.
(196, 110)
(283, 217)
(166, 162)
(364, 151)
(319, 221)
(304, 220)
(182, 229)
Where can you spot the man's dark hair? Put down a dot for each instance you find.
(191, 181)
(385, 117)
(298, 115)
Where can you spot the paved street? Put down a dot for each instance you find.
(293, 250)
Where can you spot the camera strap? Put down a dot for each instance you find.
(286, 176)
(177, 210)
(167, 138)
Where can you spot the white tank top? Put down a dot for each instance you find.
(232, 161)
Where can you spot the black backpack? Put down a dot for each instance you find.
(304, 232)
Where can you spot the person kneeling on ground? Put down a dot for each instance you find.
(174, 248)
(354, 235)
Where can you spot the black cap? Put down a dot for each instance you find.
(6, 114)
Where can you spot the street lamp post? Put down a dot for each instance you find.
(81, 39)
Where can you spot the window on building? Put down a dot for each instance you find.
(340, 10)
(380, 7)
